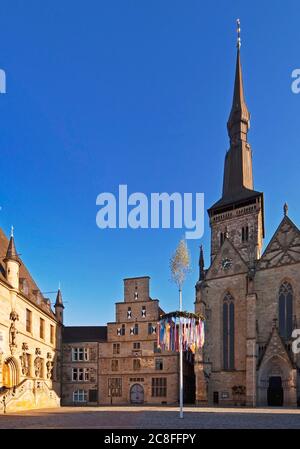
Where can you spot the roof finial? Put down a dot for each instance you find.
(12, 231)
(201, 264)
(285, 209)
(238, 23)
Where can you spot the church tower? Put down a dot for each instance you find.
(239, 214)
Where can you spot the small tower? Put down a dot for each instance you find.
(12, 262)
(59, 307)
(201, 265)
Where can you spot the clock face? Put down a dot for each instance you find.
(226, 263)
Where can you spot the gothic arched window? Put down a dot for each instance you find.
(285, 310)
(228, 332)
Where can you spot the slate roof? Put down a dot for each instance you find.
(74, 334)
(25, 278)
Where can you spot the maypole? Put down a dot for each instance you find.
(180, 265)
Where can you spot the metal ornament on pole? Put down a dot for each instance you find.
(197, 340)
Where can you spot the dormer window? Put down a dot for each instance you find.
(24, 286)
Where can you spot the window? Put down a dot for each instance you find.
(115, 365)
(159, 387)
(144, 312)
(80, 354)
(150, 329)
(80, 374)
(136, 364)
(129, 313)
(42, 328)
(80, 396)
(28, 320)
(222, 238)
(93, 395)
(245, 234)
(116, 348)
(136, 345)
(51, 334)
(285, 310)
(228, 332)
(159, 364)
(121, 331)
(134, 330)
(115, 387)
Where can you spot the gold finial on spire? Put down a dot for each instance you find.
(238, 30)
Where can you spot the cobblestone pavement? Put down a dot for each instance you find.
(152, 418)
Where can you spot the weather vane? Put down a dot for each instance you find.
(238, 22)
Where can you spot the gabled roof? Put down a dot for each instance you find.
(81, 334)
(275, 347)
(227, 250)
(33, 289)
(284, 246)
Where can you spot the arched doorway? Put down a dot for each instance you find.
(137, 394)
(275, 391)
(10, 373)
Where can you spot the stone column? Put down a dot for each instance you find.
(251, 358)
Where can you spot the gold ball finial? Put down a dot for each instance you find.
(238, 23)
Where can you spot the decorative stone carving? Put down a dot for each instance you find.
(24, 358)
(13, 331)
(38, 363)
(49, 366)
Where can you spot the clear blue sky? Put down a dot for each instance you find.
(101, 93)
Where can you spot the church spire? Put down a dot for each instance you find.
(238, 177)
(239, 119)
(201, 264)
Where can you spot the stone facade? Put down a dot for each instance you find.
(80, 376)
(30, 338)
(128, 368)
(250, 297)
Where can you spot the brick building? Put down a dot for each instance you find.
(122, 362)
(250, 296)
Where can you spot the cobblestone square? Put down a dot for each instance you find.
(152, 418)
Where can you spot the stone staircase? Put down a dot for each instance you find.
(29, 394)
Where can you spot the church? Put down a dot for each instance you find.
(249, 295)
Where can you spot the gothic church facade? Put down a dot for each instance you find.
(250, 296)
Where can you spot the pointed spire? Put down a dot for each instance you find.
(285, 209)
(11, 253)
(239, 119)
(201, 264)
(59, 300)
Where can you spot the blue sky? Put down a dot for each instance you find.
(102, 93)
